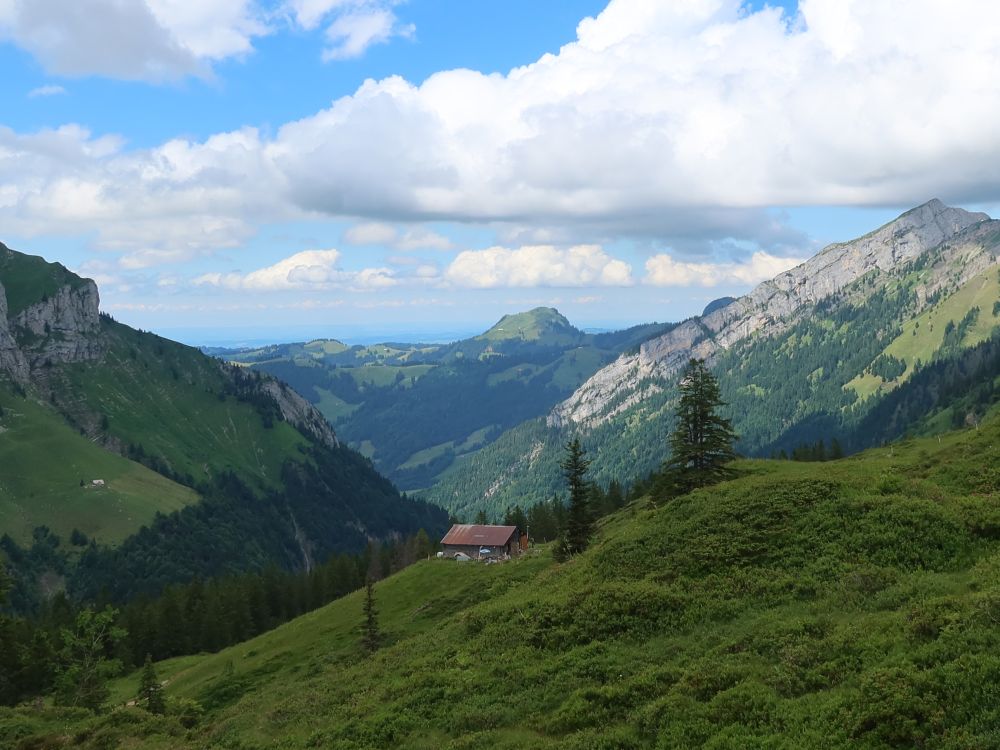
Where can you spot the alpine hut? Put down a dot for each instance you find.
(484, 542)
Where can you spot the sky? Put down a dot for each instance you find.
(235, 171)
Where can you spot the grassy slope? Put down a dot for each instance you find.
(164, 395)
(36, 490)
(922, 336)
(532, 325)
(28, 278)
(804, 605)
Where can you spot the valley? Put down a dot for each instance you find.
(567, 375)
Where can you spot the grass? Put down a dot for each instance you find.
(383, 375)
(322, 347)
(27, 279)
(333, 407)
(165, 396)
(981, 291)
(36, 490)
(532, 325)
(474, 441)
(922, 336)
(426, 455)
(837, 605)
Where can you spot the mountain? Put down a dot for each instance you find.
(837, 605)
(812, 354)
(129, 439)
(541, 324)
(420, 410)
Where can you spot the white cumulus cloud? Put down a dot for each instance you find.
(680, 120)
(537, 265)
(309, 269)
(386, 235)
(131, 39)
(352, 26)
(663, 270)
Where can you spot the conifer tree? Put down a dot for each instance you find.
(702, 443)
(835, 450)
(579, 523)
(371, 638)
(150, 689)
(85, 669)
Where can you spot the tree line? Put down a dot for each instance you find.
(45, 655)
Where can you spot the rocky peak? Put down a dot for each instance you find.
(770, 307)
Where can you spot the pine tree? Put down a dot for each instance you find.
(835, 450)
(85, 670)
(150, 689)
(579, 524)
(702, 443)
(370, 636)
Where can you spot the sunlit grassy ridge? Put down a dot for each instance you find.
(36, 490)
(29, 278)
(169, 398)
(922, 337)
(846, 604)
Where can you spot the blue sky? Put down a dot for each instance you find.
(250, 170)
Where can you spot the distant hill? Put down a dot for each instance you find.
(544, 324)
(803, 605)
(864, 342)
(420, 410)
(175, 439)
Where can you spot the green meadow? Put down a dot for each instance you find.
(845, 604)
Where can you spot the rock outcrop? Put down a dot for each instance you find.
(774, 304)
(63, 328)
(12, 361)
(297, 411)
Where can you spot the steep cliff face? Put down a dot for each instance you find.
(12, 361)
(62, 328)
(774, 304)
(297, 411)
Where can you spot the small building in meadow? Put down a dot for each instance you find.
(482, 542)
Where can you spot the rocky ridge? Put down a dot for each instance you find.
(773, 305)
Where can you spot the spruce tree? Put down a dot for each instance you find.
(836, 451)
(702, 442)
(371, 638)
(150, 689)
(579, 523)
(85, 669)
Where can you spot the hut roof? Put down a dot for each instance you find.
(482, 536)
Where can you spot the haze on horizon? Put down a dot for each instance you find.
(385, 169)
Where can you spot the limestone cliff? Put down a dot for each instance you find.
(299, 412)
(769, 308)
(12, 361)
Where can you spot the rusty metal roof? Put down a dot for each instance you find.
(482, 536)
